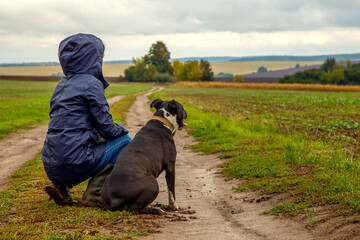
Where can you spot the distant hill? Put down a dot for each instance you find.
(318, 58)
(29, 64)
(23, 64)
(285, 58)
(118, 62)
(270, 58)
(209, 59)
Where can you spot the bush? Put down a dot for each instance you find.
(306, 77)
(335, 76)
(224, 75)
(164, 77)
(121, 78)
(341, 73)
(238, 79)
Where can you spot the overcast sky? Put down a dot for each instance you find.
(30, 30)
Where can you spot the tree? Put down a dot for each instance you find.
(141, 71)
(328, 65)
(335, 76)
(159, 56)
(193, 70)
(154, 66)
(188, 71)
(340, 73)
(208, 74)
(262, 69)
(353, 74)
(178, 69)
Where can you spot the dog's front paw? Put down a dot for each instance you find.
(173, 206)
(156, 211)
(159, 211)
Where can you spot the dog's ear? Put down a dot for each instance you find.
(156, 103)
(185, 114)
(172, 104)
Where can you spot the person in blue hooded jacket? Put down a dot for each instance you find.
(82, 140)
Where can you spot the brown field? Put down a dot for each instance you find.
(31, 70)
(110, 70)
(250, 67)
(275, 86)
(114, 70)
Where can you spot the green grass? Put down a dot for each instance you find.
(302, 143)
(25, 210)
(24, 104)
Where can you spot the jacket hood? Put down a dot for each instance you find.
(82, 54)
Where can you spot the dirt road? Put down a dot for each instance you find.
(210, 209)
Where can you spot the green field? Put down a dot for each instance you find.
(114, 70)
(23, 104)
(25, 212)
(279, 141)
(276, 141)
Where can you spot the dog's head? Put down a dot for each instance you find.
(173, 111)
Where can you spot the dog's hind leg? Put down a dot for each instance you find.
(147, 190)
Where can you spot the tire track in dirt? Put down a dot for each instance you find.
(22, 146)
(209, 208)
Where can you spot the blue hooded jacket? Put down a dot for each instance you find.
(79, 110)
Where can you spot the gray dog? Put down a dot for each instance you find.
(132, 183)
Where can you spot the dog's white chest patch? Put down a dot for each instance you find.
(171, 118)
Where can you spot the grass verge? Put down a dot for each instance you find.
(27, 213)
(24, 104)
(302, 143)
(274, 86)
(25, 209)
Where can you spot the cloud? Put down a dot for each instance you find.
(236, 44)
(31, 30)
(168, 16)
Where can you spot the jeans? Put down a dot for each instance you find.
(113, 149)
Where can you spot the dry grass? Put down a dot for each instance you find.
(250, 67)
(115, 70)
(31, 70)
(303, 87)
(109, 70)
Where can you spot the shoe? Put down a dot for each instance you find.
(92, 193)
(60, 193)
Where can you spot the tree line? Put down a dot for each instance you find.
(330, 72)
(156, 67)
